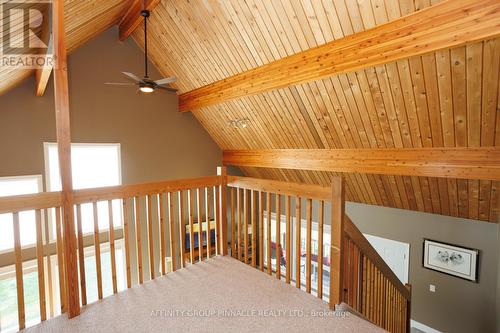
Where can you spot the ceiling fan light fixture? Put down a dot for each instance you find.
(146, 88)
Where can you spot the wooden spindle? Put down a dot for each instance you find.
(40, 265)
(151, 252)
(245, 225)
(138, 236)
(171, 224)
(112, 246)
(321, 217)
(217, 220)
(254, 228)
(364, 298)
(308, 244)
(287, 240)
(349, 271)
(261, 231)
(49, 266)
(240, 224)
(298, 240)
(191, 226)
(269, 236)
(19, 273)
(60, 260)
(209, 230)
(182, 230)
(200, 224)
(163, 255)
(233, 223)
(368, 289)
(278, 236)
(127, 242)
(97, 245)
(81, 254)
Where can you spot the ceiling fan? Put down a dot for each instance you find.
(146, 85)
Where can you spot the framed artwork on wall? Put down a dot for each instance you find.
(451, 259)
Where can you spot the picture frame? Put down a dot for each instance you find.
(454, 260)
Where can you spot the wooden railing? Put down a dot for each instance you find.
(159, 207)
(347, 268)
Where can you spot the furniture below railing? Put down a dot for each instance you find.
(332, 260)
(150, 215)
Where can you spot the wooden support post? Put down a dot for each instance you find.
(408, 309)
(222, 172)
(61, 96)
(337, 242)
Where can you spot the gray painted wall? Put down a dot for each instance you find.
(157, 141)
(457, 305)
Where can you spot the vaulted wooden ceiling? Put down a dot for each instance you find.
(448, 98)
(443, 99)
(84, 19)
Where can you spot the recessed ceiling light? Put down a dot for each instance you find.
(239, 123)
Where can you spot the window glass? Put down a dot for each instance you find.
(93, 165)
(18, 186)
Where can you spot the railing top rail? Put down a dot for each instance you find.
(127, 191)
(18, 203)
(45, 200)
(367, 249)
(275, 186)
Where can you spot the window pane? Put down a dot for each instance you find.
(8, 295)
(93, 165)
(17, 186)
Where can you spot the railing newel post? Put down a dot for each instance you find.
(222, 172)
(337, 242)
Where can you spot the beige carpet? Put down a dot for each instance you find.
(218, 295)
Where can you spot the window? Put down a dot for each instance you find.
(17, 186)
(8, 308)
(93, 165)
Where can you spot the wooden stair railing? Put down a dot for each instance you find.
(370, 286)
(260, 210)
(161, 208)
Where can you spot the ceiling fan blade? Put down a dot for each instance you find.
(172, 90)
(119, 84)
(166, 80)
(132, 76)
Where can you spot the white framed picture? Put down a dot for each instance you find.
(451, 259)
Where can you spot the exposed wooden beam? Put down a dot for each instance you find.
(61, 97)
(42, 75)
(133, 18)
(448, 24)
(481, 163)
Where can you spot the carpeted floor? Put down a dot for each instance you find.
(218, 295)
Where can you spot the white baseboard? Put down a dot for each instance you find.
(422, 327)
